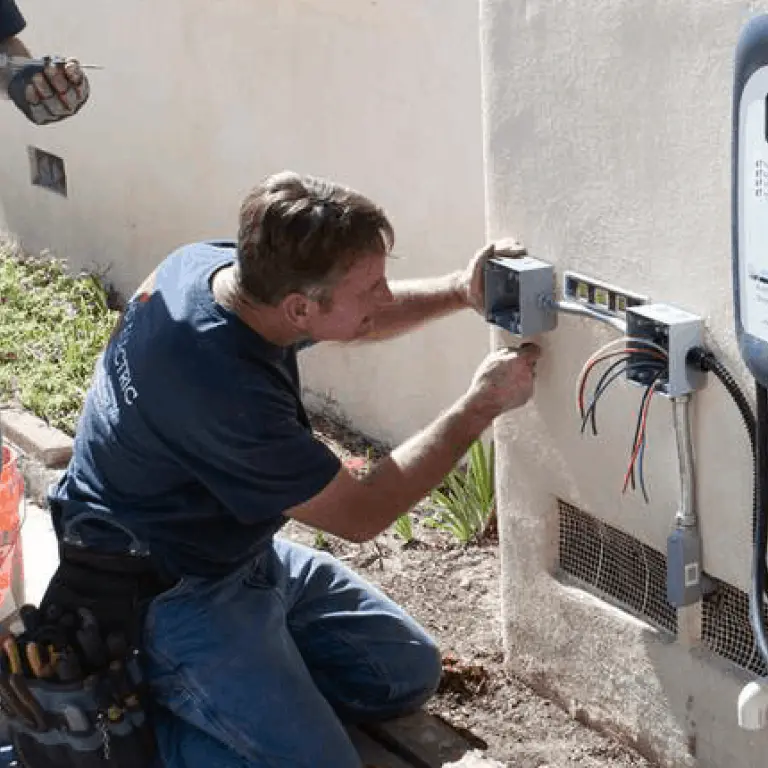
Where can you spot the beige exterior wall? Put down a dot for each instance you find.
(608, 152)
(199, 100)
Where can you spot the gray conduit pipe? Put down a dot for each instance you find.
(681, 412)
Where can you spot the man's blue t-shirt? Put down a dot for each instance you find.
(193, 433)
(11, 20)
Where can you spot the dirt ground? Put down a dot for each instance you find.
(454, 592)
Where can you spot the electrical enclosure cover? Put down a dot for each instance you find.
(750, 195)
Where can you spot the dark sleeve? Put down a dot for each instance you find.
(260, 464)
(11, 20)
(306, 344)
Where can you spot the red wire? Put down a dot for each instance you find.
(626, 350)
(640, 438)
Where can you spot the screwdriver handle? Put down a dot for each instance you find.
(14, 657)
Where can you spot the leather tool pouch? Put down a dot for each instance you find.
(71, 684)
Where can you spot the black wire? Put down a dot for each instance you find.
(651, 360)
(609, 376)
(600, 387)
(612, 367)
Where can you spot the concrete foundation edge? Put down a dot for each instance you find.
(42, 450)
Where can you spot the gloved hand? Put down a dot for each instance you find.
(50, 91)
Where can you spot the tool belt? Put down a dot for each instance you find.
(71, 684)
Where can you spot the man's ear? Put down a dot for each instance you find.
(298, 310)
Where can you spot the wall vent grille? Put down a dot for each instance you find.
(616, 566)
(726, 629)
(47, 171)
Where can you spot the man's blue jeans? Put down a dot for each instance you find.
(261, 668)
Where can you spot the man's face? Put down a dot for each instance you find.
(354, 300)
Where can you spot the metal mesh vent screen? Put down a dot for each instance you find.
(726, 630)
(615, 565)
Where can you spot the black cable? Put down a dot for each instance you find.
(707, 361)
(761, 519)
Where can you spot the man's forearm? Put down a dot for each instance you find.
(417, 302)
(11, 46)
(413, 469)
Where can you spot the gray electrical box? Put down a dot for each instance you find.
(677, 332)
(684, 576)
(516, 294)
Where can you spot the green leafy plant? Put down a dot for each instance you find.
(403, 527)
(53, 326)
(465, 502)
(320, 541)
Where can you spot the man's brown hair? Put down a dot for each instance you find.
(300, 234)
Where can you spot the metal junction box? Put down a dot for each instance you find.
(516, 293)
(677, 332)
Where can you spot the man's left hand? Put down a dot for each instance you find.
(49, 92)
(472, 279)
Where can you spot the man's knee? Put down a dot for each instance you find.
(422, 663)
(430, 667)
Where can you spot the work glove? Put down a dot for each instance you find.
(49, 90)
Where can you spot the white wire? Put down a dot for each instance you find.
(626, 341)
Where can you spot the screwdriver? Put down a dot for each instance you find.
(15, 63)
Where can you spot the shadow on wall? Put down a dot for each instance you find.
(701, 692)
(674, 704)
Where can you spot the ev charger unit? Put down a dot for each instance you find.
(750, 196)
(750, 295)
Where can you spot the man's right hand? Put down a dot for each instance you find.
(357, 509)
(504, 380)
(50, 91)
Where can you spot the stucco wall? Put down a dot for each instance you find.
(199, 100)
(608, 152)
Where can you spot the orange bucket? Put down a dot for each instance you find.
(11, 499)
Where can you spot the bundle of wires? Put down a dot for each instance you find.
(647, 362)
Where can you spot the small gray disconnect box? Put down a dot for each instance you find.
(677, 332)
(516, 295)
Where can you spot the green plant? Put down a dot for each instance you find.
(320, 541)
(53, 326)
(404, 528)
(465, 502)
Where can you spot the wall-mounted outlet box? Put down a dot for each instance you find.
(516, 294)
(677, 332)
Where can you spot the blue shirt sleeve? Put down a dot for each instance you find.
(259, 464)
(11, 20)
